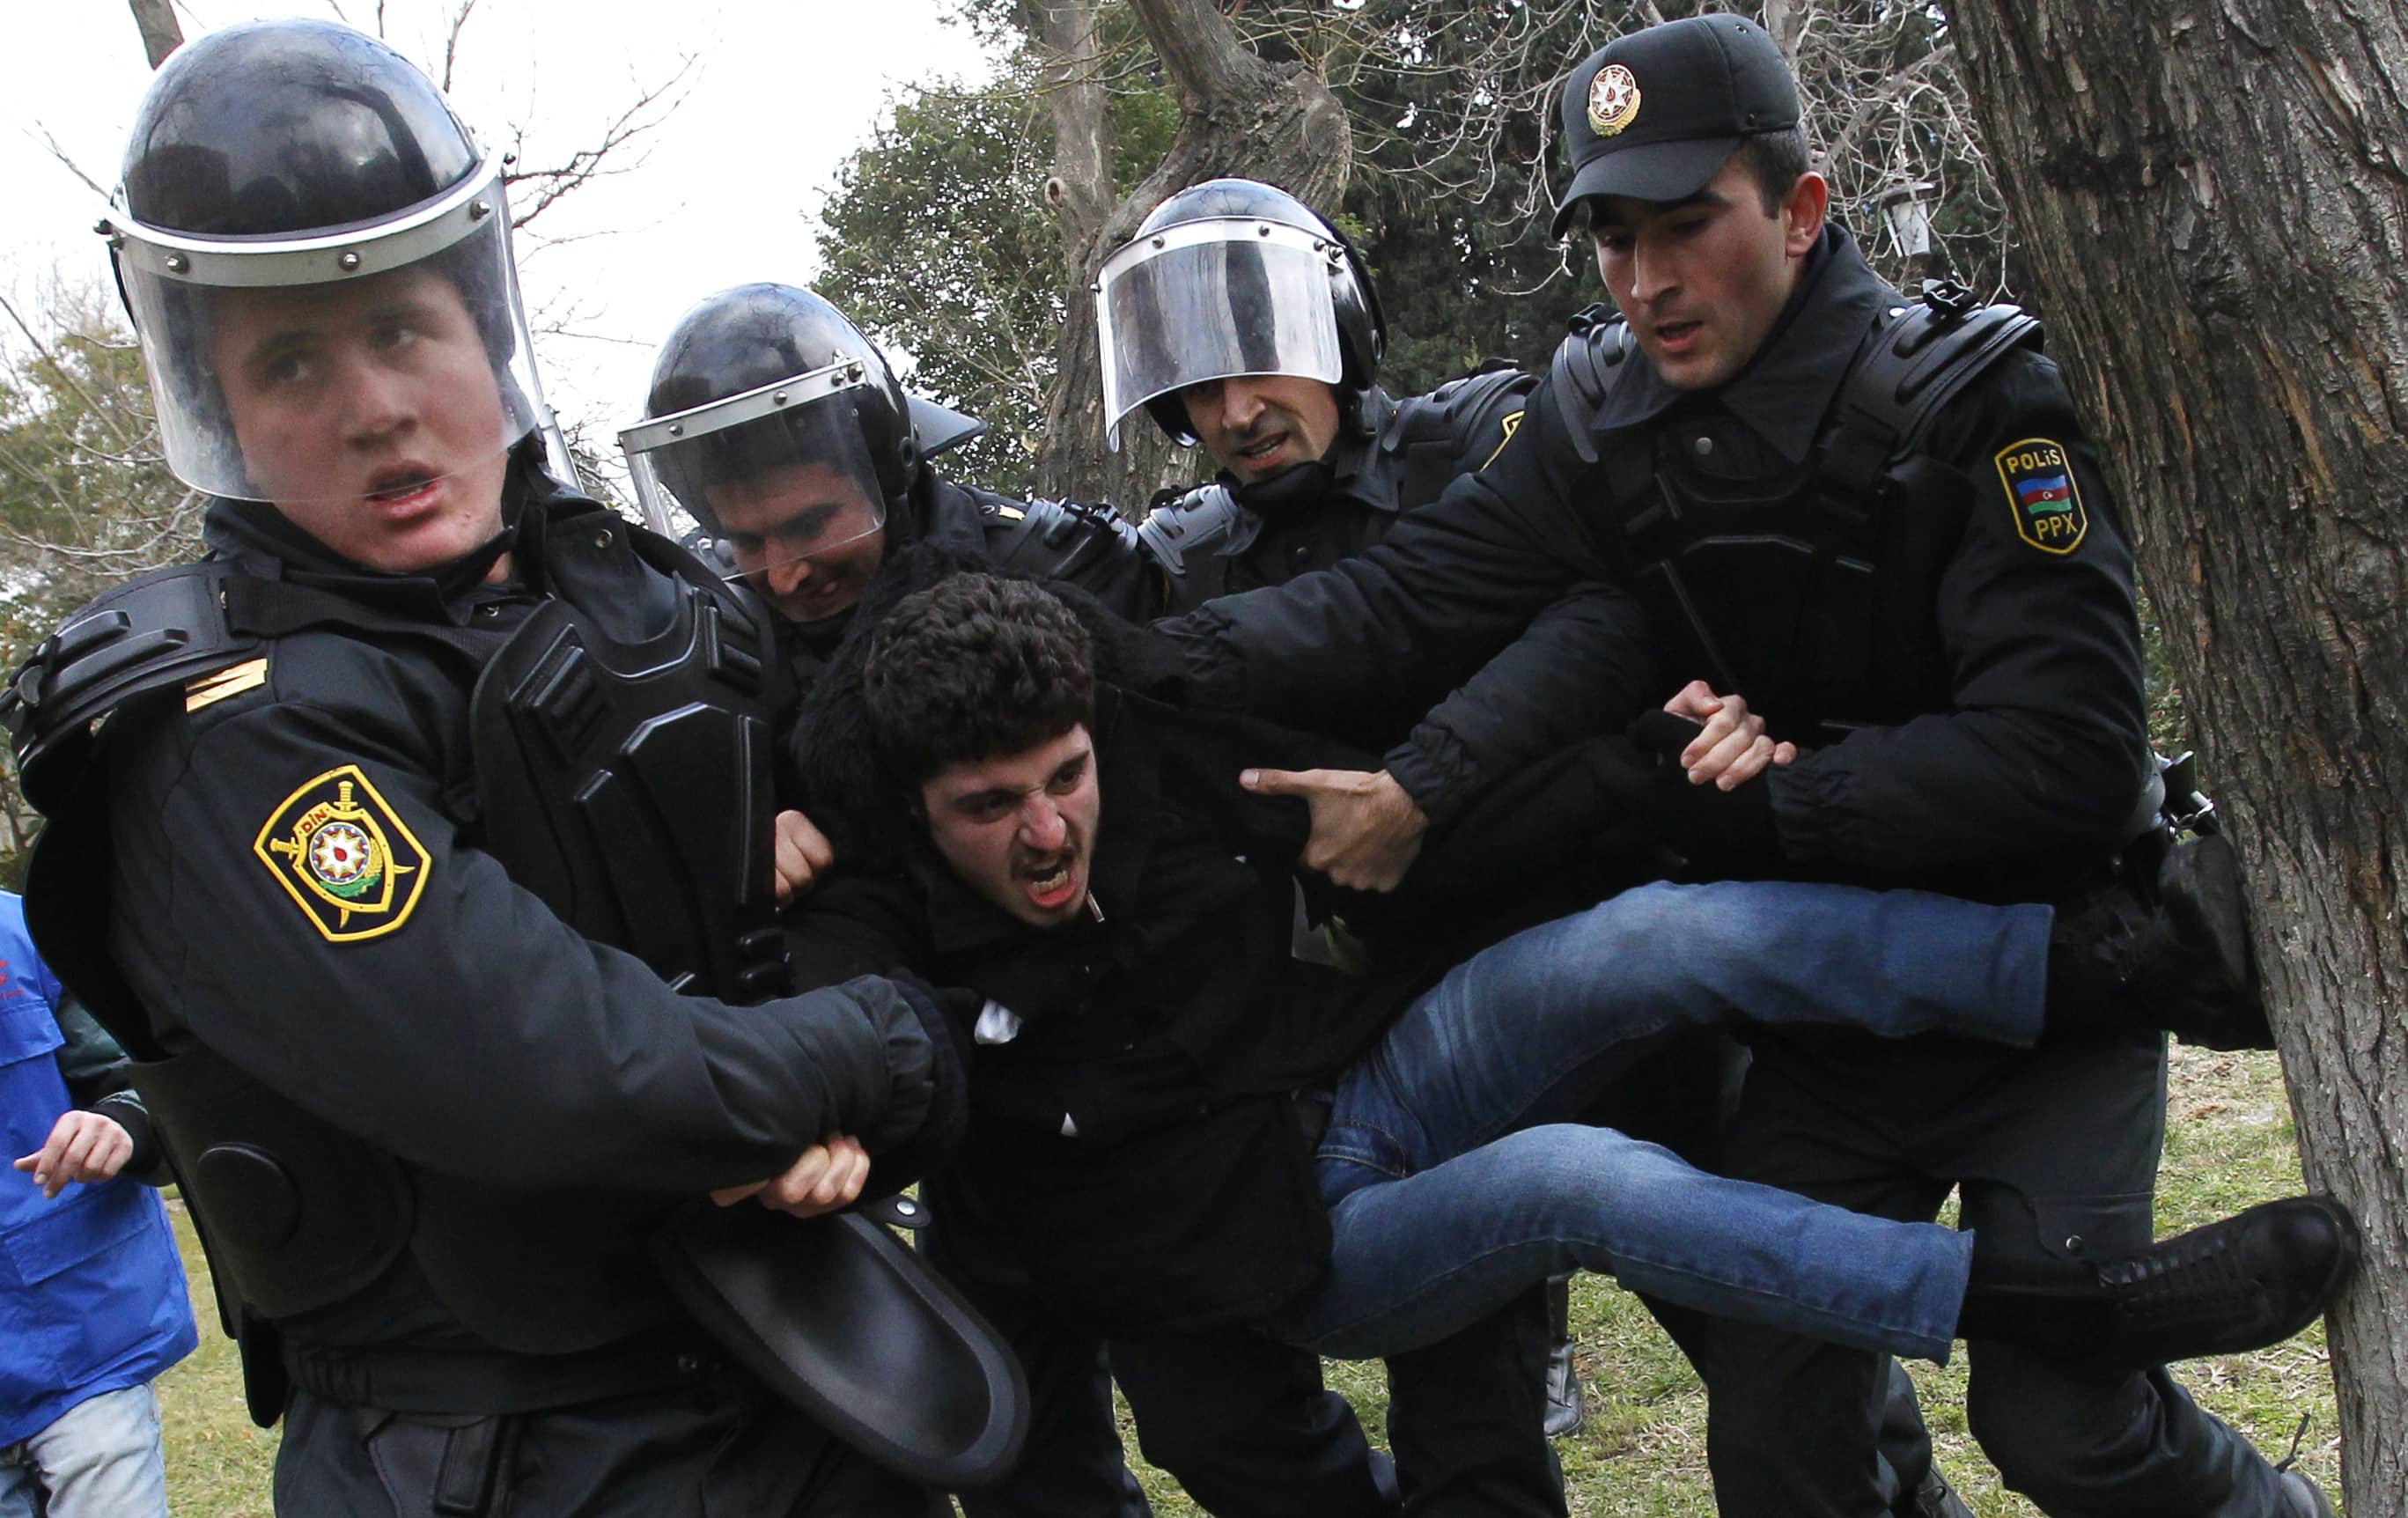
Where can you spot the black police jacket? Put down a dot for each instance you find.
(1586, 648)
(439, 1015)
(2031, 749)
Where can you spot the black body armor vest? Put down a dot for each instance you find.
(1811, 587)
(1418, 447)
(623, 760)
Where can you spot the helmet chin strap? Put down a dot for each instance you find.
(1296, 488)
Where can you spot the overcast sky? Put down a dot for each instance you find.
(783, 90)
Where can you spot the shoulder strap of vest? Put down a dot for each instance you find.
(1192, 523)
(157, 631)
(1053, 539)
(167, 628)
(1454, 429)
(1918, 359)
(1586, 366)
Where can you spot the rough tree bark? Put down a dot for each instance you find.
(2212, 197)
(1238, 115)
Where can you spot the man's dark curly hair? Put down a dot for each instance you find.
(975, 667)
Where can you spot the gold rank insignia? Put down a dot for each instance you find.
(2044, 494)
(1612, 100)
(209, 690)
(344, 856)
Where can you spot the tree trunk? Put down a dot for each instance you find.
(1238, 115)
(161, 33)
(2212, 199)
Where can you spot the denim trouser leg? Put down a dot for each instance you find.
(1438, 1218)
(1525, 1031)
(98, 1459)
(1416, 1258)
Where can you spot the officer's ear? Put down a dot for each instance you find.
(1801, 214)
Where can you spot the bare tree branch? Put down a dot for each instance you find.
(451, 37)
(606, 158)
(68, 163)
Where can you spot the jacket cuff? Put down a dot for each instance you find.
(1809, 809)
(147, 1163)
(1440, 782)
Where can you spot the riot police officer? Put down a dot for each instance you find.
(780, 429)
(1239, 320)
(389, 866)
(777, 440)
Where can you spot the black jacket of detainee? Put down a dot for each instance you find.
(1166, 1029)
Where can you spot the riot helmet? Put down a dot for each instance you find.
(779, 428)
(312, 245)
(1229, 277)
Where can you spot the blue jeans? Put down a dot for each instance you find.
(98, 1459)
(1452, 1184)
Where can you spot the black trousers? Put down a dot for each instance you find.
(722, 1446)
(1242, 1422)
(2055, 1152)
(1246, 1424)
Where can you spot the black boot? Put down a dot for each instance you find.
(2250, 1281)
(1933, 1497)
(1566, 1410)
(2178, 959)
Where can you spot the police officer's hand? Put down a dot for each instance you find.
(83, 1146)
(826, 1178)
(1366, 830)
(1730, 746)
(803, 854)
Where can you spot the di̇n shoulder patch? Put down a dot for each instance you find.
(344, 856)
(2043, 494)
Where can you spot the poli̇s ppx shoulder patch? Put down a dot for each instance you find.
(344, 856)
(2044, 494)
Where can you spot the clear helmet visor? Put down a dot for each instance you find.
(779, 484)
(362, 364)
(1212, 300)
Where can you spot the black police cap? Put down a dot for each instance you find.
(1654, 114)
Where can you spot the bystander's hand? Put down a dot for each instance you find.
(1731, 747)
(804, 854)
(1366, 830)
(826, 1177)
(82, 1146)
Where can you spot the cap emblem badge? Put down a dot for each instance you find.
(1612, 100)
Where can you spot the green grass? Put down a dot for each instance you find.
(218, 1460)
(2229, 1143)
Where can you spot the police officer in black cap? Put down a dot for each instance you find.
(1879, 522)
(422, 864)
